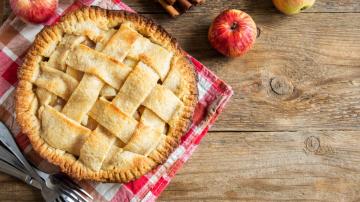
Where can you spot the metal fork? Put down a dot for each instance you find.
(53, 187)
(9, 164)
(67, 186)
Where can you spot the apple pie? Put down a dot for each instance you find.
(105, 95)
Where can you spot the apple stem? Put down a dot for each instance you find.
(305, 7)
(234, 25)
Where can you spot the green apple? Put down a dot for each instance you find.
(290, 7)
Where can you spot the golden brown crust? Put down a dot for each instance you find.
(25, 96)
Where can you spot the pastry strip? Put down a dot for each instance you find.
(121, 42)
(139, 47)
(173, 81)
(45, 97)
(90, 61)
(88, 28)
(136, 88)
(61, 132)
(153, 55)
(122, 160)
(55, 81)
(163, 102)
(144, 140)
(58, 57)
(158, 58)
(104, 38)
(96, 148)
(111, 118)
(74, 73)
(149, 118)
(83, 98)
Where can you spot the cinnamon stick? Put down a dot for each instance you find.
(184, 4)
(169, 8)
(177, 7)
(197, 2)
(171, 2)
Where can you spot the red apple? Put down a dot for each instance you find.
(232, 33)
(34, 11)
(291, 7)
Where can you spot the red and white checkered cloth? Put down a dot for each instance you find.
(16, 37)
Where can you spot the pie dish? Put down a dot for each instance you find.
(105, 95)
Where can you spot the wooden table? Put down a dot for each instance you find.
(292, 129)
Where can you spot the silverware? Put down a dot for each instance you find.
(12, 166)
(66, 184)
(9, 166)
(54, 187)
(11, 159)
(7, 139)
(13, 171)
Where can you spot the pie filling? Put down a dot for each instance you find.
(107, 97)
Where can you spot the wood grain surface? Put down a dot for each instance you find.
(265, 166)
(291, 130)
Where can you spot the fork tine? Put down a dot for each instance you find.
(61, 199)
(69, 194)
(77, 188)
(73, 192)
(71, 184)
(64, 198)
(74, 185)
(76, 193)
(80, 195)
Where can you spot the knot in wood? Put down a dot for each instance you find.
(281, 86)
(258, 32)
(312, 144)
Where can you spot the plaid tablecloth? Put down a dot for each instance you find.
(16, 37)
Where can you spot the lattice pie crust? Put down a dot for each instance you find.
(105, 95)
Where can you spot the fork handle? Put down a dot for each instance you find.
(7, 139)
(9, 158)
(10, 170)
